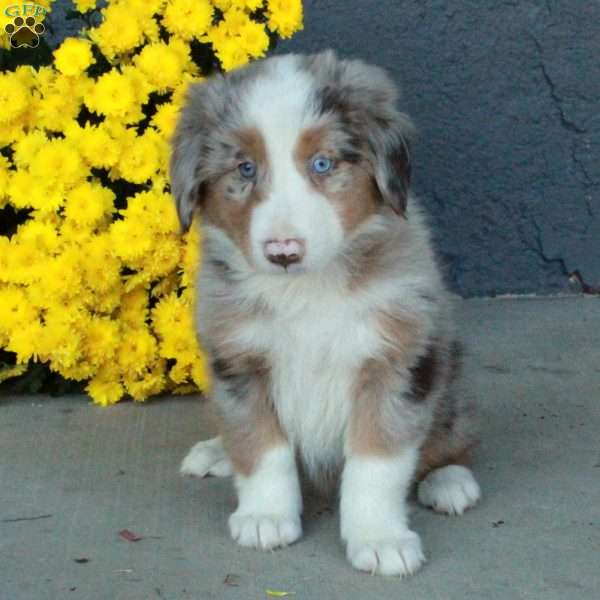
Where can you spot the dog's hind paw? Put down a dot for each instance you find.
(207, 458)
(450, 490)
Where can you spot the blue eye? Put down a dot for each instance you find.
(247, 170)
(321, 165)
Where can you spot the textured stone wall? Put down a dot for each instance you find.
(506, 97)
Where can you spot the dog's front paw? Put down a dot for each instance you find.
(264, 531)
(207, 458)
(401, 555)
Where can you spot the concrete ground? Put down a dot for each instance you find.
(72, 476)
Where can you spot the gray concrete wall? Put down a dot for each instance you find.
(506, 97)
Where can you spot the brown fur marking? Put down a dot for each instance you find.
(252, 145)
(350, 187)
(401, 336)
(250, 427)
(357, 201)
(230, 200)
(367, 436)
(379, 380)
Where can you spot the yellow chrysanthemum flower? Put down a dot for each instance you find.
(120, 31)
(285, 16)
(88, 203)
(133, 310)
(28, 147)
(139, 160)
(131, 242)
(15, 97)
(113, 95)
(62, 341)
(95, 144)
(73, 56)
(137, 350)
(254, 39)
(170, 314)
(230, 53)
(234, 20)
(24, 262)
(60, 276)
(154, 211)
(117, 95)
(58, 162)
(162, 65)
(181, 371)
(40, 235)
(24, 341)
(106, 302)
(147, 384)
(15, 310)
(165, 118)
(188, 19)
(105, 388)
(101, 339)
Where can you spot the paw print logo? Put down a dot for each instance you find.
(24, 33)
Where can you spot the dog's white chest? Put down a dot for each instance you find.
(315, 361)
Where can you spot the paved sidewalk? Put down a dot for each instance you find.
(73, 475)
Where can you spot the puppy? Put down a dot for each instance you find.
(320, 305)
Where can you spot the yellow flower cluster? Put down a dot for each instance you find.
(96, 280)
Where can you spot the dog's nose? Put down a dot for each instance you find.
(284, 253)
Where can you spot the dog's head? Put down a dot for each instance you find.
(289, 156)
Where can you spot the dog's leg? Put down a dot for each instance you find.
(382, 453)
(270, 502)
(446, 484)
(207, 458)
(264, 466)
(374, 520)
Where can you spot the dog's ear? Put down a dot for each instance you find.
(186, 183)
(365, 98)
(193, 146)
(390, 146)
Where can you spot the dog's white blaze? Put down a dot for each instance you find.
(293, 208)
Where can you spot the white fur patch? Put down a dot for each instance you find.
(450, 490)
(270, 503)
(374, 522)
(207, 458)
(316, 340)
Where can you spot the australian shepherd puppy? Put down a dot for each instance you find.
(320, 305)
